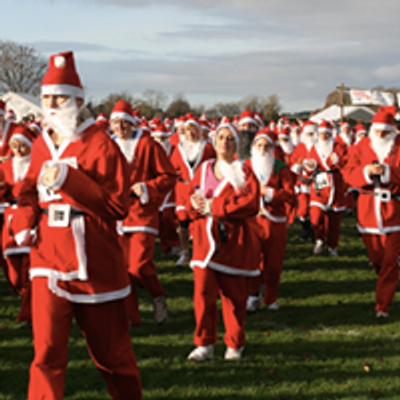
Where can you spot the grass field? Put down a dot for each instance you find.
(324, 343)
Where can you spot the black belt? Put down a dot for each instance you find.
(74, 212)
(385, 195)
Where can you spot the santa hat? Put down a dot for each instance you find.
(160, 131)
(325, 126)
(259, 118)
(284, 133)
(265, 134)
(191, 120)
(10, 115)
(102, 117)
(2, 107)
(360, 128)
(295, 127)
(23, 134)
(203, 117)
(137, 115)
(123, 110)
(344, 124)
(384, 119)
(33, 126)
(180, 121)
(145, 127)
(225, 120)
(247, 116)
(61, 77)
(309, 127)
(204, 124)
(231, 128)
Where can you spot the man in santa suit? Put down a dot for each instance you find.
(169, 239)
(152, 176)
(179, 131)
(299, 158)
(285, 143)
(295, 134)
(248, 126)
(276, 200)
(327, 158)
(17, 258)
(75, 191)
(374, 168)
(186, 158)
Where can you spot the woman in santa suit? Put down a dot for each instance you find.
(327, 158)
(224, 202)
(17, 258)
(186, 158)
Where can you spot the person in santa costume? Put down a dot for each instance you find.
(186, 158)
(17, 258)
(179, 131)
(77, 265)
(224, 201)
(327, 158)
(285, 144)
(374, 168)
(277, 198)
(152, 176)
(247, 126)
(295, 134)
(298, 160)
(169, 239)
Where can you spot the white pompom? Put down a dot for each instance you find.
(59, 62)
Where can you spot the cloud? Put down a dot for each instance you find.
(388, 72)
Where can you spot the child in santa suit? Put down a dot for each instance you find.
(276, 201)
(169, 239)
(327, 158)
(186, 158)
(374, 168)
(298, 160)
(17, 258)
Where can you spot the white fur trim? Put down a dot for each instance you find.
(144, 198)
(63, 90)
(133, 229)
(22, 138)
(123, 115)
(269, 195)
(22, 236)
(385, 178)
(248, 119)
(297, 168)
(367, 178)
(382, 127)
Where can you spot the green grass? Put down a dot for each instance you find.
(324, 342)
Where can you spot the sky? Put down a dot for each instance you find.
(217, 50)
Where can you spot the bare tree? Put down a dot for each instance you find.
(179, 106)
(156, 99)
(21, 68)
(271, 108)
(106, 105)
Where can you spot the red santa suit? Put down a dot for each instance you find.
(150, 166)
(186, 170)
(77, 264)
(17, 257)
(379, 206)
(327, 192)
(272, 218)
(226, 250)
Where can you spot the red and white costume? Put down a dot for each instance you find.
(379, 206)
(77, 264)
(226, 249)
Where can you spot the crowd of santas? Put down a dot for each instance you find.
(233, 186)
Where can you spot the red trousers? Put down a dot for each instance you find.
(168, 235)
(139, 251)
(326, 225)
(105, 328)
(18, 275)
(303, 205)
(383, 252)
(232, 290)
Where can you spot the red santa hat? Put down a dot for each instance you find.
(259, 118)
(284, 133)
(123, 110)
(145, 127)
(10, 115)
(204, 124)
(102, 117)
(231, 128)
(2, 107)
(360, 128)
(34, 127)
(266, 134)
(61, 77)
(247, 116)
(309, 127)
(191, 120)
(325, 126)
(137, 115)
(384, 119)
(180, 121)
(344, 124)
(160, 131)
(295, 127)
(225, 120)
(203, 117)
(23, 134)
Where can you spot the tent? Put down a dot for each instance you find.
(22, 104)
(332, 113)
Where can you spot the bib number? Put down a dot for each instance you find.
(322, 181)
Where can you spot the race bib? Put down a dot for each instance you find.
(59, 215)
(322, 181)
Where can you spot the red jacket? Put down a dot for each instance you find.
(239, 253)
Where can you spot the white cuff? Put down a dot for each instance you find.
(144, 198)
(62, 175)
(22, 237)
(305, 162)
(269, 195)
(208, 206)
(385, 178)
(367, 178)
(297, 168)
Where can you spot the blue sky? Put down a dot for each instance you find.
(220, 50)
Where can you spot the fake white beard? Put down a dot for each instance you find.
(20, 167)
(309, 141)
(233, 173)
(287, 147)
(295, 138)
(325, 147)
(346, 138)
(127, 147)
(191, 149)
(382, 146)
(263, 164)
(63, 119)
